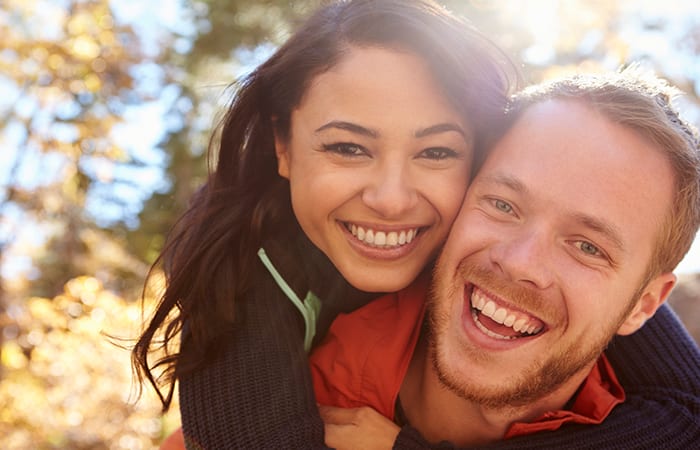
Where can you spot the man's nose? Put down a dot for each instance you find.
(525, 257)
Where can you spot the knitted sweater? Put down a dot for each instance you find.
(257, 393)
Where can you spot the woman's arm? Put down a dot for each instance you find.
(258, 392)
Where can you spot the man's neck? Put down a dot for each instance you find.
(439, 414)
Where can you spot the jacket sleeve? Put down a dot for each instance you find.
(659, 367)
(258, 392)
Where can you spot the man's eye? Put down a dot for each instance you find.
(438, 153)
(588, 248)
(345, 149)
(502, 206)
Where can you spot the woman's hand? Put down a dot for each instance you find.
(358, 428)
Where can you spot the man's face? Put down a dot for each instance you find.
(545, 261)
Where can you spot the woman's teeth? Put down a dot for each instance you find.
(383, 238)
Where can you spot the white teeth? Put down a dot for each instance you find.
(479, 302)
(500, 315)
(382, 238)
(489, 309)
(519, 324)
(488, 332)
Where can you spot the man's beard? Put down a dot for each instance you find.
(541, 378)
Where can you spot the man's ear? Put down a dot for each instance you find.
(282, 152)
(653, 296)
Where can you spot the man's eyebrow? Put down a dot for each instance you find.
(508, 181)
(440, 128)
(607, 229)
(349, 126)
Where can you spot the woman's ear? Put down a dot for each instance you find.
(281, 151)
(653, 296)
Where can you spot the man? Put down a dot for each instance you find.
(568, 236)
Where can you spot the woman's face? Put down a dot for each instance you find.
(378, 164)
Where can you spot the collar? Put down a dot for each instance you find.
(596, 398)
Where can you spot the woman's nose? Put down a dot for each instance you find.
(391, 194)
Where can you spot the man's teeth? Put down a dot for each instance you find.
(383, 238)
(500, 315)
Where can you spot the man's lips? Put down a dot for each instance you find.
(499, 320)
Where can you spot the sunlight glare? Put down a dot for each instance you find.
(539, 17)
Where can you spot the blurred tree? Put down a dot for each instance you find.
(66, 385)
(70, 71)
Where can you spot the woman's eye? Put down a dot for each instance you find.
(438, 153)
(345, 149)
(502, 206)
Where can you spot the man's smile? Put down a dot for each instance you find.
(498, 320)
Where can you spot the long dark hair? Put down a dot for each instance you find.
(211, 252)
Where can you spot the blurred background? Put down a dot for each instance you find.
(106, 107)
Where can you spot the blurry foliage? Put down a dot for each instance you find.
(72, 68)
(66, 383)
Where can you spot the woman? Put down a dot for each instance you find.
(375, 171)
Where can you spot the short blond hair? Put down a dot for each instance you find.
(643, 102)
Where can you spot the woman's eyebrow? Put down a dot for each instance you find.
(440, 128)
(349, 126)
(423, 132)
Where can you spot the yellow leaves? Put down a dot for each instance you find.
(84, 47)
(54, 61)
(92, 83)
(99, 65)
(82, 22)
(68, 362)
(13, 357)
(43, 311)
(84, 288)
